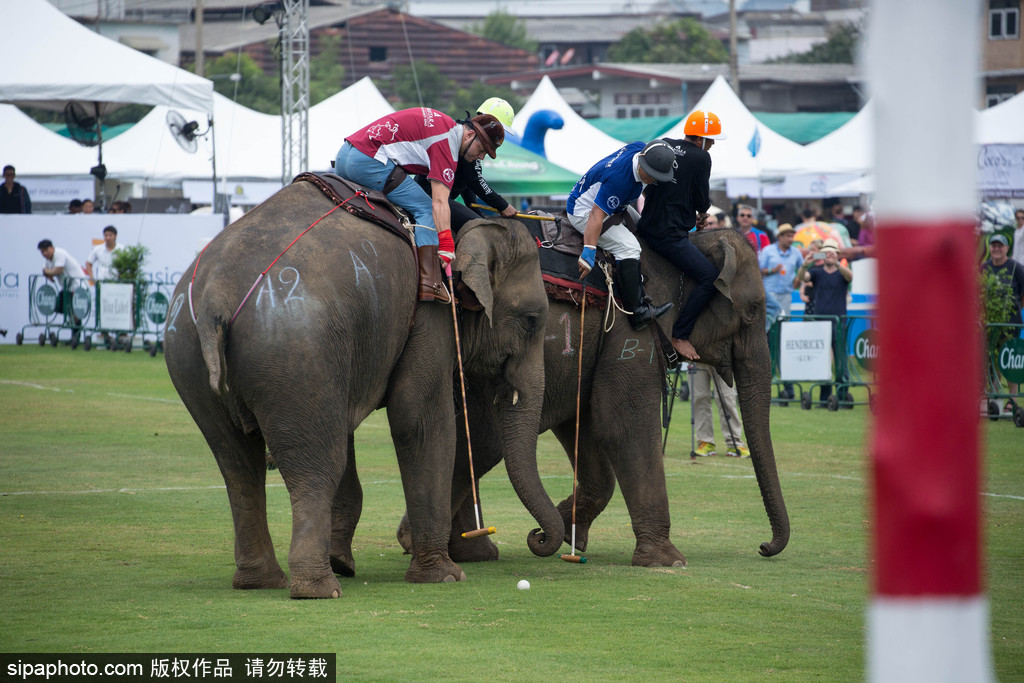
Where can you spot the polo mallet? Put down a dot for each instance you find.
(573, 557)
(480, 529)
(691, 370)
(518, 215)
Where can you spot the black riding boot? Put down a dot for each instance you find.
(633, 298)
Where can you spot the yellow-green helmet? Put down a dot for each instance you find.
(499, 109)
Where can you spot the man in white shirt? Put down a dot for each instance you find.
(59, 263)
(1018, 237)
(98, 265)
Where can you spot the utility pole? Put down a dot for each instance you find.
(734, 67)
(199, 38)
(294, 32)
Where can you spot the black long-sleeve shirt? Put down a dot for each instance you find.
(15, 201)
(670, 209)
(469, 184)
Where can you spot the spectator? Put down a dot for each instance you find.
(1011, 273)
(831, 282)
(88, 206)
(806, 288)
(60, 268)
(600, 202)
(98, 265)
(706, 379)
(779, 264)
(745, 226)
(1018, 237)
(854, 223)
(711, 222)
(13, 196)
(75, 206)
(120, 207)
(866, 237)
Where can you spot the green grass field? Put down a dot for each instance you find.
(115, 536)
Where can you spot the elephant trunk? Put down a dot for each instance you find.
(752, 367)
(520, 424)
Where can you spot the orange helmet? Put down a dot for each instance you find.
(704, 124)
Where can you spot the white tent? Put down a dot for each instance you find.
(1002, 124)
(848, 149)
(342, 114)
(37, 151)
(731, 158)
(577, 145)
(51, 59)
(248, 146)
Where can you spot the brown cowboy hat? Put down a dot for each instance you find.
(490, 132)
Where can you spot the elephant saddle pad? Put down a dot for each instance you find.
(559, 246)
(360, 201)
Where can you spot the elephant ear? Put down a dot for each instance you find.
(473, 257)
(725, 277)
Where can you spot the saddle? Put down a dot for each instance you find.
(371, 205)
(559, 247)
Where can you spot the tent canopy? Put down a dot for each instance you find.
(342, 114)
(731, 158)
(848, 149)
(1002, 124)
(37, 151)
(59, 61)
(518, 171)
(577, 145)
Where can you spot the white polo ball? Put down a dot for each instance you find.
(523, 585)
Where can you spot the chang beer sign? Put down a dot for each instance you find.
(1011, 360)
(156, 308)
(81, 301)
(865, 348)
(46, 299)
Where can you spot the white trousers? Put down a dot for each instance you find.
(729, 420)
(616, 239)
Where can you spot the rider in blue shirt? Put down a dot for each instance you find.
(599, 203)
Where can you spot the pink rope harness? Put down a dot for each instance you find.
(259, 277)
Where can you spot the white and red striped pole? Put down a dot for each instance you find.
(928, 618)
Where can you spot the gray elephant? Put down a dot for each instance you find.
(620, 428)
(332, 333)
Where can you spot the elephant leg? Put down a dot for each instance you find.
(595, 482)
(631, 442)
(348, 505)
(423, 430)
(242, 462)
(478, 549)
(312, 465)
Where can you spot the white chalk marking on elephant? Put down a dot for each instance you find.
(179, 301)
(285, 278)
(568, 350)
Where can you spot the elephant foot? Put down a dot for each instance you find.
(657, 555)
(480, 549)
(343, 564)
(326, 587)
(440, 571)
(254, 579)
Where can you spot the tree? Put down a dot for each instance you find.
(682, 41)
(840, 48)
(420, 84)
(506, 29)
(326, 70)
(254, 89)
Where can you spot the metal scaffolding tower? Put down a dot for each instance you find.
(294, 34)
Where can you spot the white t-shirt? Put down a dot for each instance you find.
(61, 257)
(101, 260)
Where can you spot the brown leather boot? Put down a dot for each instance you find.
(431, 276)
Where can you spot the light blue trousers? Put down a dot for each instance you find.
(359, 168)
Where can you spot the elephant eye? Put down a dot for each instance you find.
(530, 321)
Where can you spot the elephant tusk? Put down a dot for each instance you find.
(515, 396)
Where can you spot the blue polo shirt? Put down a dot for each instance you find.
(610, 184)
(771, 256)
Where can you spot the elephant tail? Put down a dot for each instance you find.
(213, 336)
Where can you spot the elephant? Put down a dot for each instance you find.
(285, 373)
(622, 379)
